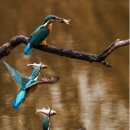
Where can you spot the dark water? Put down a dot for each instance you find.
(88, 95)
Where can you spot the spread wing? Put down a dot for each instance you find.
(33, 78)
(50, 80)
(18, 77)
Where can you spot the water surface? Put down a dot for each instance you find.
(87, 95)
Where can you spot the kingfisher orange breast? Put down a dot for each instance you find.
(50, 26)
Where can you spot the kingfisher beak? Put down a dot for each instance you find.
(62, 20)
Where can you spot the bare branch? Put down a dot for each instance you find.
(114, 46)
(7, 47)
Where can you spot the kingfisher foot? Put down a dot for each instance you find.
(45, 45)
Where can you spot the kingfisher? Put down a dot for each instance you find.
(42, 31)
(46, 113)
(28, 84)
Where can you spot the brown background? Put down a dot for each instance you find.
(88, 95)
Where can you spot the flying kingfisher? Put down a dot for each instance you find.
(28, 85)
(41, 33)
(46, 121)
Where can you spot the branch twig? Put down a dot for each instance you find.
(7, 47)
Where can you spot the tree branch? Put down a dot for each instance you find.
(15, 41)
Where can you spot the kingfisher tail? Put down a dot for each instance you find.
(27, 50)
(20, 97)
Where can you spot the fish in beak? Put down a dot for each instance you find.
(62, 20)
(46, 111)
(42, 66)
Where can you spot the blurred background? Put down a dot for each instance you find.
(88, 95)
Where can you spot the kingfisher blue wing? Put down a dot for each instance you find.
(33, 78)
(30, 84)
(36, 38)
(35, 73)
(39, 35)
(37, 29)
(18, 77)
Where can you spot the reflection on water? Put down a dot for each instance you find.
(99, 110)
(5, 121)
(88, 95)
(85, 100)
(57, 104)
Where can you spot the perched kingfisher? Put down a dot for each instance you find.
(41, 33)
(28, 85)
(47, 113)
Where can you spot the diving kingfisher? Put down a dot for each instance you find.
(28, 85)
(46, 121)
(41, 33)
